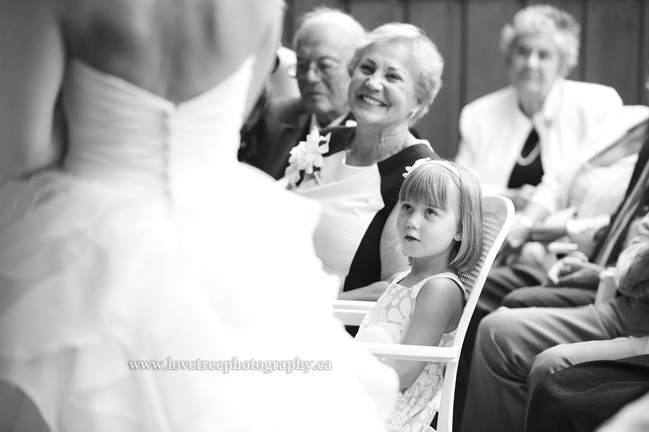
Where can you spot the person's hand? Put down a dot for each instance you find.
(520, 231)
(632, 271)
(574, 272)
(516, 238)
(565, 266)
(520, 196)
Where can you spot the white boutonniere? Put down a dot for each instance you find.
(306, 158)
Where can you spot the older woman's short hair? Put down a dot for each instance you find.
(426, 55)
(559, 25)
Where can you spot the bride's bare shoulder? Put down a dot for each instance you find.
(174, 48)
(223, 28)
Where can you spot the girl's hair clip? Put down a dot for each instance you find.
(428, 160)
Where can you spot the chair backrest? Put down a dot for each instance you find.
(497, 218)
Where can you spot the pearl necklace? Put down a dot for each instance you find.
(527, 160)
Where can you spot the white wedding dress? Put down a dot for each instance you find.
(154, 243)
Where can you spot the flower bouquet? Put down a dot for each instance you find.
(306, 158)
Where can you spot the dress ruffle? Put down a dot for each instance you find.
(94, 277)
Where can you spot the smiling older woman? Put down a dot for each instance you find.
(512, 137)
(395, 75)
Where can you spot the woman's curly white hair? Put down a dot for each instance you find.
(559, 25)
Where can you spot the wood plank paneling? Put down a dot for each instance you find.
(290, 19)
(614, 47)
(304, 6)
(643, 70)
(296, 8)
(484, 62)
(442, 22)
(373, 13)
(6, 13)
(573, 7)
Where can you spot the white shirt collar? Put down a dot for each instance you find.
(337, 121)
(548, 113)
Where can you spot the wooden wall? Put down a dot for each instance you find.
(614, 47)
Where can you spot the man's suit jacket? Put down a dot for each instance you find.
(283, 124)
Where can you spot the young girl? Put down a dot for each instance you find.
(440, 229)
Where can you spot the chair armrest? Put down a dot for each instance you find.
(413, 352)
(352, 312)
(354, 304)
(350, 316)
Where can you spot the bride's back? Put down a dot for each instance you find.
(174, 48)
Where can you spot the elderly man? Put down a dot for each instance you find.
(324, 44)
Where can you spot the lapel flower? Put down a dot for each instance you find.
(306, 158)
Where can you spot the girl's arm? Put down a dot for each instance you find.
(393, 261)
(437, 311)
(32, 62)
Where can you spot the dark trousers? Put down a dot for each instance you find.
(513, 287)
(500, 282)
(582, 397)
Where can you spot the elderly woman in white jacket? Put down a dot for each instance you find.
(514, 136)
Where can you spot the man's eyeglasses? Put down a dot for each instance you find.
(324, 68)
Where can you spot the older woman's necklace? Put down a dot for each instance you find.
(373, 154)
(533, 152)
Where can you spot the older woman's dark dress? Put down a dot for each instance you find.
(356, 202)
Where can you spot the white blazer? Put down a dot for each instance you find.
(494, 129)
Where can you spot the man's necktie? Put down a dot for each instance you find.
(627, 211)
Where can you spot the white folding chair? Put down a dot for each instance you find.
(498, 215)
